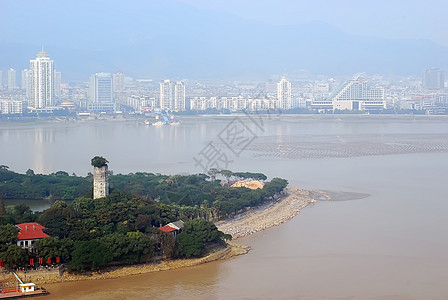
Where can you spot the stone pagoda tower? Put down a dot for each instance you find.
(100, 177)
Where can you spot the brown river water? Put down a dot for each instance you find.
(390, 245)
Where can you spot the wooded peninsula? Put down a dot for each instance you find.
(124, 227)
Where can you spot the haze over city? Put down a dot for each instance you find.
(226, 39)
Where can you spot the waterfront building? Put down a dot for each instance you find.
(166, 95)
(12, 79)
(119, 82)
(141, 104)
(284, 94)
(11, 107)
(179, 96)
(29, 233)
(41, 81)
(101, 93)
(25, 81)
(433, 78)
(57, 83)
(355, 94)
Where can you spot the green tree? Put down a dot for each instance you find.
(227, 174)
(212, 173)
(14, 256)
(49, 247)
(8, 234)
(2, 208)
(99, 161)
(89, 255)
(190, 245)
(29, 172)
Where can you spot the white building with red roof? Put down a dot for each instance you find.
(29, 233)
(174, 228)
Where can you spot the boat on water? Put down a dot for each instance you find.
(22, 290)
(159, 123)
(147, 122)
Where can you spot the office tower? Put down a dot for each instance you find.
(433, 78)
(57, 83)
(12, 79)
(119, 82)
(179, 96)
(41, 77)
(101, 88)
(284, 94)
(166, 95)
(101, 93)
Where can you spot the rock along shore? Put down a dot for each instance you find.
(272, 214)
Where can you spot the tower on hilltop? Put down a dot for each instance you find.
(100, 177)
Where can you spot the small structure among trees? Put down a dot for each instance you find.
(100, 177)
(29, 233)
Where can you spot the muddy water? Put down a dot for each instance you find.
(390, 245)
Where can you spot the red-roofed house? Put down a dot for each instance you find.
(174, 228)
(29, 233)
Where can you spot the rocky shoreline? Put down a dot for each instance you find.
(272, 214)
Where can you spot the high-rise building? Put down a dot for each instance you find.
(12, 79)
(57, 83)
(284, 94)
(101, 93)
(41, 77)
(25, 80)
(179, 96)
(433, 78)
(166, 95)
(119, 82)
(1, 80)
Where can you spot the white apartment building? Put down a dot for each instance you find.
(41, 81)
(284, 94)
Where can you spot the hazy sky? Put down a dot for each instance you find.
(380, 18)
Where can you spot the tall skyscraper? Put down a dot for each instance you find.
(433, 78)
(41, 76)
(57, 83)
(179, 96)
(12, 79)
(119, 81)
(284, 94)
(166, 95)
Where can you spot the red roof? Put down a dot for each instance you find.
(167, 228)
(30, 231)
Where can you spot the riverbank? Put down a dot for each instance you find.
(272, 214)
(41, 277)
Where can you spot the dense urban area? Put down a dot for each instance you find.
(42, 91)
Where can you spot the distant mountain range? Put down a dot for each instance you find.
(180, 41)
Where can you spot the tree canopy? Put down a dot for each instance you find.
(99, 161)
